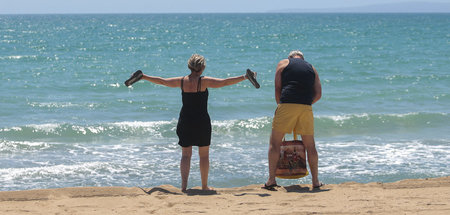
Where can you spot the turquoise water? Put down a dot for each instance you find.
(66, 119)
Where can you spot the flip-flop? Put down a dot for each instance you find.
(318, 186)
(251, 77)
(270, 187)
(134, 78)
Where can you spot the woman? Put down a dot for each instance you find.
(194, 124)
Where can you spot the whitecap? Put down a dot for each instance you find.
(115, 85)
(22, 146)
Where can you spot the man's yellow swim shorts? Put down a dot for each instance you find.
(291, 117)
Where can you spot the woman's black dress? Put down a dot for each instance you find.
(194, 124)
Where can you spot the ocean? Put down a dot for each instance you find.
(67, 120)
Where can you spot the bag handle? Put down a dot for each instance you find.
(294, 134)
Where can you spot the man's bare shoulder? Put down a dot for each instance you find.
(283, 63)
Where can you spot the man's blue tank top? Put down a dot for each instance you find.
(297, 82)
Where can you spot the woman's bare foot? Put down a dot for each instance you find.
(207, 188)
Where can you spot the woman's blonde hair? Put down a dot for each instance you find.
(196, 63)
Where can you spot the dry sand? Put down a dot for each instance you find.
(418, 196)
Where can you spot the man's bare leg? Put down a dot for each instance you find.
(274, 155)
(313, 158)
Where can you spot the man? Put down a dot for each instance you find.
(297, 87)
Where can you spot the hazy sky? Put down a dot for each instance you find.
(178, 6)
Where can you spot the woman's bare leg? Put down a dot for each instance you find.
(203, 153)
(185, 166)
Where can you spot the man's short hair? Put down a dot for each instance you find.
(295, 53)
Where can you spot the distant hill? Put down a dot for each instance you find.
(404, 7)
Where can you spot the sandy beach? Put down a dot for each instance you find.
(414, 196)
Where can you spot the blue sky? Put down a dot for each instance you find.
(179, 6)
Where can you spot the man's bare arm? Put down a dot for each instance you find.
(317, 88)
(280, 67)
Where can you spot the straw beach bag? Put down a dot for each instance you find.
(292, 162)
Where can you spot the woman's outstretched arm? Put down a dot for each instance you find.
(169, 82)
(211, 82)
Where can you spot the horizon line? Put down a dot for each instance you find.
(267, 12)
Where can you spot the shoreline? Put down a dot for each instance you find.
(410, 196)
